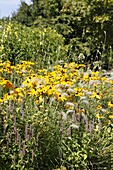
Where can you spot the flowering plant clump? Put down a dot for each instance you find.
(46, 112)
(74, 88)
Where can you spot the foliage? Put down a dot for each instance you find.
(55, 107)
(22, 43)
(24, 15)
(84, 24)
(60, 117)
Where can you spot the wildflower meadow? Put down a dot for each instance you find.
(54, 114)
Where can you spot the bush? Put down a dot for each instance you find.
(42, 45)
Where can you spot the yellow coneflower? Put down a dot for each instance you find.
(7, 97)
(1, 100)
(7, 84)
(96, 95)
(28, 63)
(99, 107)
(31, 92)
(110, 104)
(59, 96)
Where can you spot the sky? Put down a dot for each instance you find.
(9, 6)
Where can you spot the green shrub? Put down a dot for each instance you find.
(43, 45)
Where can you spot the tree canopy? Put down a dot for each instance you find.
(86, 25)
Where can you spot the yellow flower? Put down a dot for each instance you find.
(95, 73)
(86, 77)
(111, 81)
(39, 100)
(110, 104)
(7, 97)
(96, 95)
(82, 65)
(78, 91)
(1, 100)
(60, 97)
(18, 92)
(7, 84)
(28, 63)
(31, 92)
(103, 79)
(99, 116)
(27, 83)
(99, 107)
(51, 90)
(57, 67)
(45, 89)
(111, 116)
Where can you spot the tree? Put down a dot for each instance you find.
(24, 14)
(86, 25)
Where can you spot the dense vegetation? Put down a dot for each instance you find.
(86, 25)
(56, 86)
